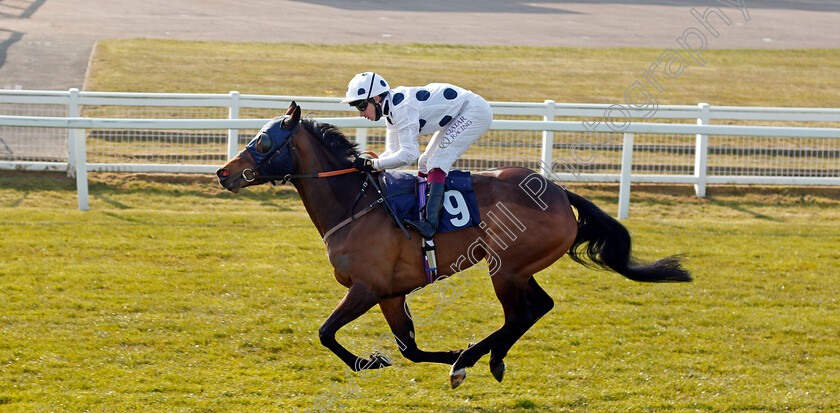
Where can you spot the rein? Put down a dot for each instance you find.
(289, 177)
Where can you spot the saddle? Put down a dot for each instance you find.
(405, 194)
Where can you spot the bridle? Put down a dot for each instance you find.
(250, 174)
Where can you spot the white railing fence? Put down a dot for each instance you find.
(79, 132)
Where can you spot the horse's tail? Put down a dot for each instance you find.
(606, 243)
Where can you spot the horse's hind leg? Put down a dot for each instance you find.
(403, 328)
(523, 305)
(539, 303)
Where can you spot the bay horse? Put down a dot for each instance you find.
(380, 265)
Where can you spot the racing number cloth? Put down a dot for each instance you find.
(460, 209)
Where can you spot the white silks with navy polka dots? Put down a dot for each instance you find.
(456, 116)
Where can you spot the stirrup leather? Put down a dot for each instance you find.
(428, 227)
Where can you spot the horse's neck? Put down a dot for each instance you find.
(327, 200)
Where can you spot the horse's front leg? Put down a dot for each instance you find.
(403, 328)
(358, 300)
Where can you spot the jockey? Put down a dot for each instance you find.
(456, 116)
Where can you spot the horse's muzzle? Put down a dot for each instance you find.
(226, 182)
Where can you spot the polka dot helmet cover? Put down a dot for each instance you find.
(365, 85)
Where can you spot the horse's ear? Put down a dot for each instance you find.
(293, 116)
(292, 107)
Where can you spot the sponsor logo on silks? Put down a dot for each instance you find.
(460, 125)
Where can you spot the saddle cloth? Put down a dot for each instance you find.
(460, 209)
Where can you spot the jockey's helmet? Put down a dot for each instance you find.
(364, 86)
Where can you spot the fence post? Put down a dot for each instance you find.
(547, 151)
(701, 153)
(72, 112)
(78, 151)
(361, 139)
(233, 134)
(81, 169)
(626, 168)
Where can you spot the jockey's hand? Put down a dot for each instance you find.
(363, 164)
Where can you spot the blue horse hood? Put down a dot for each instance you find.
(277, 160)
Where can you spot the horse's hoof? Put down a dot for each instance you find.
(457, 377)
(376, 361)
(498, 370)
(380, 361)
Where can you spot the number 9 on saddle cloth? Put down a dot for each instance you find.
(460, 209)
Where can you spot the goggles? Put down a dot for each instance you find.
(360, 105)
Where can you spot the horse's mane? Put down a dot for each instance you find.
(332, 138)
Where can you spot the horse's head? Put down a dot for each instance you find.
(268, 154)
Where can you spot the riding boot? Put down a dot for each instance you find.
(428, 227)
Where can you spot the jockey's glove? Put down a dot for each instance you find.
(363, 165)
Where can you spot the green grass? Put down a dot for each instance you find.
(503, 73)
(172, 295)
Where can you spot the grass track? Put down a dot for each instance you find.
(172, 295)
(504, 73)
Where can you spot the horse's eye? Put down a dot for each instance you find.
(264, 144)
